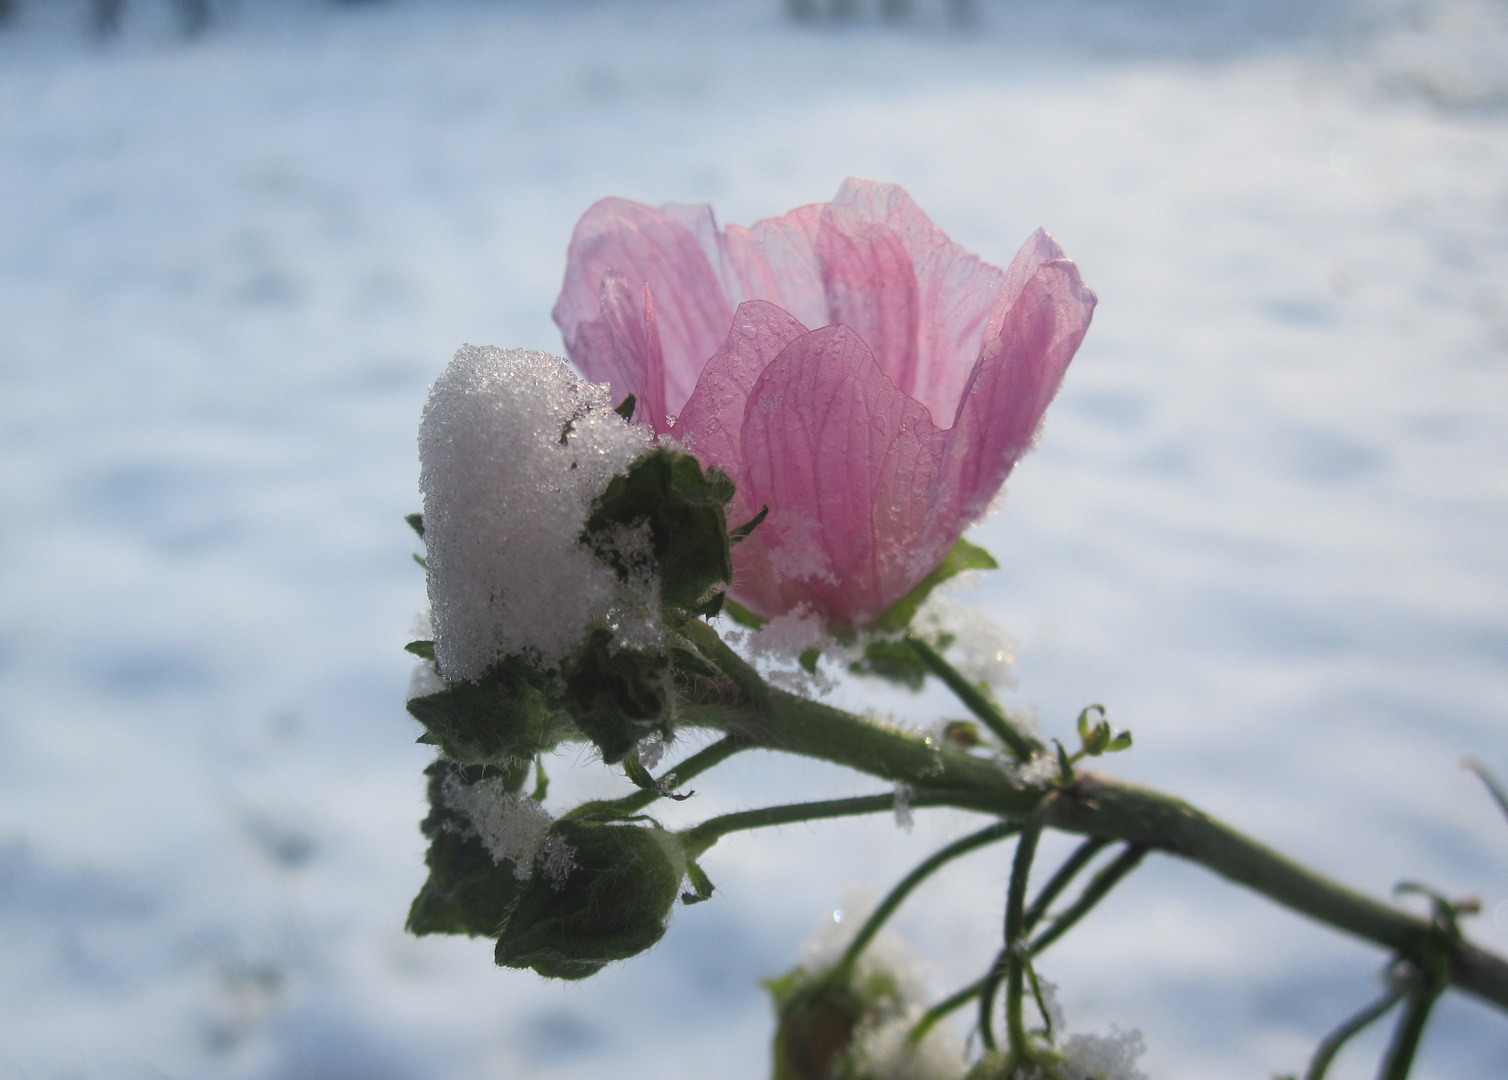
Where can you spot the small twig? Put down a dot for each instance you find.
(1422, 994)
(1024, 748)
(947, 1005)
(1093, 893)
(1015, 938)
(1061, 880)
(1493, 787)
(988, 835)
(1325, 1053)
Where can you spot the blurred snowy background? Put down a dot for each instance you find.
(1266, 525)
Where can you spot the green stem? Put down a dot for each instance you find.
(1024, 748)
(1015, 938)
(699, 838)
(1325, 1053)
(948, 1005)
(988, 985)
(988, 835)
(1099, 886)
(695, 765)
(1091, 806)
(1422, 994)
(1059, 881)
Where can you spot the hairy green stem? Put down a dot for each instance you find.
(1325, 1053)
(947, 1005)
(695, 765)
(1091, 806)
(1422, 995)
(1081, 857)
(981, 706)
(1098, 888)
(1015, 938)
(988, 835)
(699, 838)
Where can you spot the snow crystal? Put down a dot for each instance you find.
(511, 826)
(1104, 1057)
(904, 793)
(886, 1054)
(652, 751)
(1093, 1057)
(776, 648)
(513, 449)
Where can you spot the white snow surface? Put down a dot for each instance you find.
(1264, 526)
(514, 448)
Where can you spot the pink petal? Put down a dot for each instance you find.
(1013, 382)
(870, 287)
(711, 424)
(849, 467)
(776, 260)
(646, 247)
(634, 344)
(956, 292)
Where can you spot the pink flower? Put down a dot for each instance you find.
(813, 358)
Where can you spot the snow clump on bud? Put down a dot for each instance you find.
(514, 448)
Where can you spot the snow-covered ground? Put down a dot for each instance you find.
(1265, 526)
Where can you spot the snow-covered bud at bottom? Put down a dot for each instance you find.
(610, 903)
(470, 887)
(854, 1025)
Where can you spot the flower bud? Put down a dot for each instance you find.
(618, 696)
(682, 507)
(508, 714)
(818, 1017)
(468, 890)
(610, 903)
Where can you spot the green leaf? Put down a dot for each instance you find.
(425, 650)
(891, 660)
(684, 509)
(960, 557)
(512, 712)
(625, 408)
(416, 522)
(1122, 741)
(743, 616)
(1085, 731)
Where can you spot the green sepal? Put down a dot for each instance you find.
(701, 884)
(808, 660)
(740, 534)
(625, 408)
(712, 607)
(420, 559)
(684, 508)
(415, 522)
(960, 557)
(743, 616)
(425, 650)
(512, 712)
(618, 696)
(612, 902)
(541, 780)
(466, 891)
